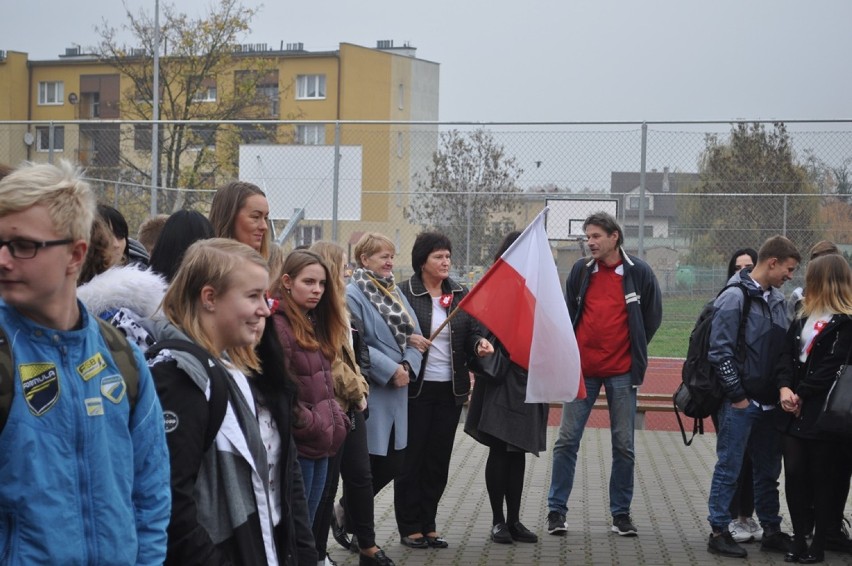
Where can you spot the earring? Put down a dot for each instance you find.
(288, 291)
(208, 307)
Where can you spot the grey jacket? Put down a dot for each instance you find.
(765, 329)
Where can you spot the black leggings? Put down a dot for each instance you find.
(504, 479)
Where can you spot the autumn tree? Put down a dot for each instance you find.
(204, 79)
(468, 192)
(750, 187)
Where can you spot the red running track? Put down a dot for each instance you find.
(663, 376)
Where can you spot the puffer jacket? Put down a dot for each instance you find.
(765, 328)
(465, 332)
(321, 423)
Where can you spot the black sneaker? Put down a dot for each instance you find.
(776, 542)
(623, 526)
(556, 523)
(500, 534)
(522, 534)
(723, 544)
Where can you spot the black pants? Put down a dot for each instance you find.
(352, 463)
(811, 470)
(386, 468)
(433, 417)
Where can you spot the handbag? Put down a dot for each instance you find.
(836, 415)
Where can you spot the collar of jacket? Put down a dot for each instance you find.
(417, 288)
(624, 258)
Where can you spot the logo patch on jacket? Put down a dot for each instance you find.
(113, 388)
(171, 421)
(91, 367)
(95, 407)
(40, 383)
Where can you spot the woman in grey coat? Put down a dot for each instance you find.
(389, 322)
(499, 418)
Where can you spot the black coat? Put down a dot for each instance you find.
(465, 332)
(498, 409)
(812, 379)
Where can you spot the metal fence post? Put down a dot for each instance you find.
(784, 224)
(641, 244)
(50, 142)
(336, 183)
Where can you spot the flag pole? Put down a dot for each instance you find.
(453, 313)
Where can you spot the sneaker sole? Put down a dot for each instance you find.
(739, 539)
(624, 533)
(558, 531)
(728, 554)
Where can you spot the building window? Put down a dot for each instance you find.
(310, 134)
(202, 136)
(310, 86)
(43, 138)
(270, 94)
(399, 144)
(51, 92)
(401, 96)
(633, 203)
(205, 94)
(259, 134)
(307, 235)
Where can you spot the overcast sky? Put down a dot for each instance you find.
(551, 60)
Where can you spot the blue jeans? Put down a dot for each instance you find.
(621, 401)
(313, 474)
(736, 426)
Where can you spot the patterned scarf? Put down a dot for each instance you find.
(385, 297)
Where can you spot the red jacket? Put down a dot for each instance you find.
(320, 425)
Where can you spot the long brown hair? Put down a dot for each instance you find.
(326, 331)
(227, 203)
(828, 286)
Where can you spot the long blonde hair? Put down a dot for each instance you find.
(211, 263)
(828, 286)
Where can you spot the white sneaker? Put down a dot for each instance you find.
(754, 528)
(740, 531)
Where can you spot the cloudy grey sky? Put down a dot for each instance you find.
(552, 60)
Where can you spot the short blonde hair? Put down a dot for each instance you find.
(69, 200)
(371, 243)
(209, 262)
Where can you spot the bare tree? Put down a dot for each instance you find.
(467, 192)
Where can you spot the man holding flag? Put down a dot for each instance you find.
(615, 304)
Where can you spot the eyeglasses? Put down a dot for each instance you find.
(27, 249)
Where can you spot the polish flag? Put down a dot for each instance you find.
(520, 300)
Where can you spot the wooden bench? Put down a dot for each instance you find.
(645, 402)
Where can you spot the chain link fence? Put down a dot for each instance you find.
(686, 194)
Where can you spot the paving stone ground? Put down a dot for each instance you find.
(669, 509)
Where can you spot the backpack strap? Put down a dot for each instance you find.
(217, 405)
(7, 377)
(124, 358)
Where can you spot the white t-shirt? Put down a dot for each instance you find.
(811, 329)
(439, 366)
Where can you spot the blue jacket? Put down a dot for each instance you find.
(765, 330)
(82, 480)
(388, 404)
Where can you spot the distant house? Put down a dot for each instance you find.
(661, 189)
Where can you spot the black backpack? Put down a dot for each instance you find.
(218, 403)
(700, 393)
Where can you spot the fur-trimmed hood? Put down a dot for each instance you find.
(128, 286)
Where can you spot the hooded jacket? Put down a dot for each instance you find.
(765, 327)
(126, 296)
(644, 305)
(220, 511)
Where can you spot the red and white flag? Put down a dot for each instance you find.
(520, 300)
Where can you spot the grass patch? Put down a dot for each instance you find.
(679, 315)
